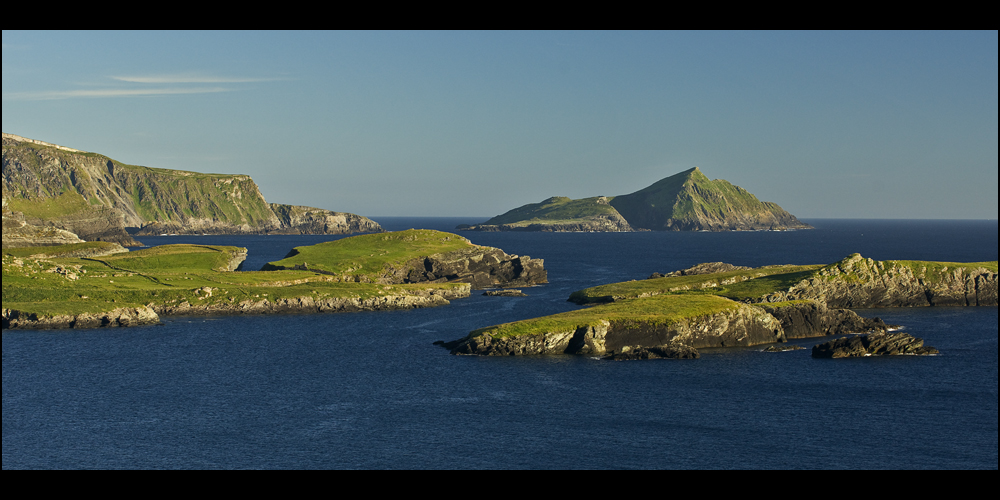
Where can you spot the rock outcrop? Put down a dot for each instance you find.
(124, 316)
(703, 268)
(857, 282)
(96, 198)
(814, 319)
(667, 351)
(18, 233)
(307, 220)
(480, 266)
(410, 300)
(874, 344)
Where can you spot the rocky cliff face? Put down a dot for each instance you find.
(307, 220)
(96, 197)
(744, 325)
(307, 304)
(125, 316)
(480, 266)
(857, 282)
(150, 315)
(18, 233)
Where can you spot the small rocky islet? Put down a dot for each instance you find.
(718, 305)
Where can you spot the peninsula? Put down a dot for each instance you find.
(678, 314)
(96, 284)
(688, 201)
(49, 188)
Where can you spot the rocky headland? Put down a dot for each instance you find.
(97, 198)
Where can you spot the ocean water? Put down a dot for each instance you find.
(370, 390)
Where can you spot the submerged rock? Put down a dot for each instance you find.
(873, 344)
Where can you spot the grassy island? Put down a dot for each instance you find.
(739, 307)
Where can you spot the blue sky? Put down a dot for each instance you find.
(826, 124)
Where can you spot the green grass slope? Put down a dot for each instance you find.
(558, 209)
(46, 182)
(691, 201)
(170, 276)
(368, 258)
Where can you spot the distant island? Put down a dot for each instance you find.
(688, 201)
(58, 195)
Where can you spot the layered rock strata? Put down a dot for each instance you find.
(19, 233)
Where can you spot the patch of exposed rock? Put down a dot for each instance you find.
(857, 282)
(874, 344)
(814, 319)
(481, 266)
(667, 351)
(17, 233)
(410, 300)
(782, 348)
(703, 268)
(308, 220)
(124, 316)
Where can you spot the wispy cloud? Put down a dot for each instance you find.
(98, 93)
(191, 78)
(146, 85)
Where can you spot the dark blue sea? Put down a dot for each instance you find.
(371, 391)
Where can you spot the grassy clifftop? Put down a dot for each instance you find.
(368, 258)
